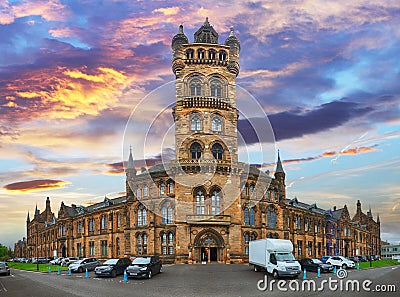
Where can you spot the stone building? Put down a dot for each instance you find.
(205, 205)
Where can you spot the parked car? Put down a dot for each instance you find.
(340, 261)
(112, 267)
(355, 259)
(83, 264)
(324, 258)
(144, 267)
(313, 264)
(69, 260)
(4, 269)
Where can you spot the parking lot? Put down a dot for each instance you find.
(176, 280)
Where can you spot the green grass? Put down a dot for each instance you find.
(33, 267)
(379, 263)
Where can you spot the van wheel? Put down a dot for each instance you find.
(275, 274)
(344, 266)
(255, 268)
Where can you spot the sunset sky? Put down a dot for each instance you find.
(327, 74)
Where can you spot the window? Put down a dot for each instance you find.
(145, 191)
(212, 54)
(79, 249)
(246, 243)
(104, 222)
(216, 124)
(118, 247)
(271, 218)
(246, 216)
(222, 55)
(252, 190)
(195, 86)
(104, 250)
(215, 202)
(299, 248)
(91, 224)
(91, 248)
(118, 220)
(162, 188)
(142, 216)
(170, 187)
(189, 54)
(141, 240)
(138, 193)
(217, 151)
(167, 243)
(251, 216)
(166, 213)
(298, 222)
(195, 150)
(195, 123)
(274, 195)
(310, 248)
(200, 202)
(200, 53)
(79, 227)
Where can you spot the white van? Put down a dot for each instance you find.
(275, 256)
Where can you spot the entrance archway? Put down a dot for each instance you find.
(209, 246)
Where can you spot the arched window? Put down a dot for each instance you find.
(118, 220)
(141, 240)
(195, 123)
(195, 86)
(251, 216)
(104, 222)
(246, 216)
(200, 202)
(167, 243)
(246, 243)
(118, 246)
(166, 213)
(142, 216)
(162, 188)
(271, 218)
(200, 53)
(215, 202)
(216, 124)
(215, 89)
(170, 185)
(195, 150)
(138, 193)
(189, 54)
(222, 55)
(252, 190)
(145, 191)
(212, 54)
(217, 151)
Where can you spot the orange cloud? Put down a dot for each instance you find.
(329, 154)
(168, 10)
(357, 150)
(35, 185)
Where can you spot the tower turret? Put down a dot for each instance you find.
(234, 44)
(280, 177)
(177, 41)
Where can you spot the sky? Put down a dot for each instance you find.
(326, 73)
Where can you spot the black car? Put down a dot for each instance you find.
(144, 267)
(313, 264)
(112, 267)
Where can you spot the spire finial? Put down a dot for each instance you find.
(180, 29)
(279, 167)
(232, 34)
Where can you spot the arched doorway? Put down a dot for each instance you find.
(209, 246)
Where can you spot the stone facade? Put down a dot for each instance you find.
(205, 205)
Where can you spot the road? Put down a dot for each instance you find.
(187, 280)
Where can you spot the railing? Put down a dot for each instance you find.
(207, 61)
(209, 219)
(204, 102)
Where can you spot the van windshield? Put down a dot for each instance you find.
(285, 257)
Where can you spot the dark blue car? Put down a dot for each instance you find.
(112, 267)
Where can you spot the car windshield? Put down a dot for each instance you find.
(141, 261)
(78, 262)
(2, 264)
(316, 261)
(284, 257)
(111, 262)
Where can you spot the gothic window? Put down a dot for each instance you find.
(252, 190)
(162, 188)
(141, 240)
(200, 202)
(195, 150)
(246, 216)
(195, 86)
(251, 216)
(195, 123)
(118, 246)
(216, 124)
(167, 243)
(200, 53)
(222, 55)
(217, 151)
(166, 213)
(271, 218)
(274, 195)
(189, 54)
(215, 202)
(170, 185)
(142, 216)
(145, 191)
(118, 220)
(138, 193)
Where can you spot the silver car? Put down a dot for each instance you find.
(82, 265)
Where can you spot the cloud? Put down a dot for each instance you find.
(35, 185)
(168, 10)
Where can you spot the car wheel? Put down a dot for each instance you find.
(149, 275)
(80, 269)
(255, 268)
(344, 266)
(113, 273)
(160, 271)
(275, 274)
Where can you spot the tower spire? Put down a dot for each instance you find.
(279, 167)
(27, 218)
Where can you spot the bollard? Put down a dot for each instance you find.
(87, 273)
(125, 276)
(59, 271)
(69, 271)
(319, 272)
(334, 269)
(304, 274)
(49, 269)
(358, 265)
